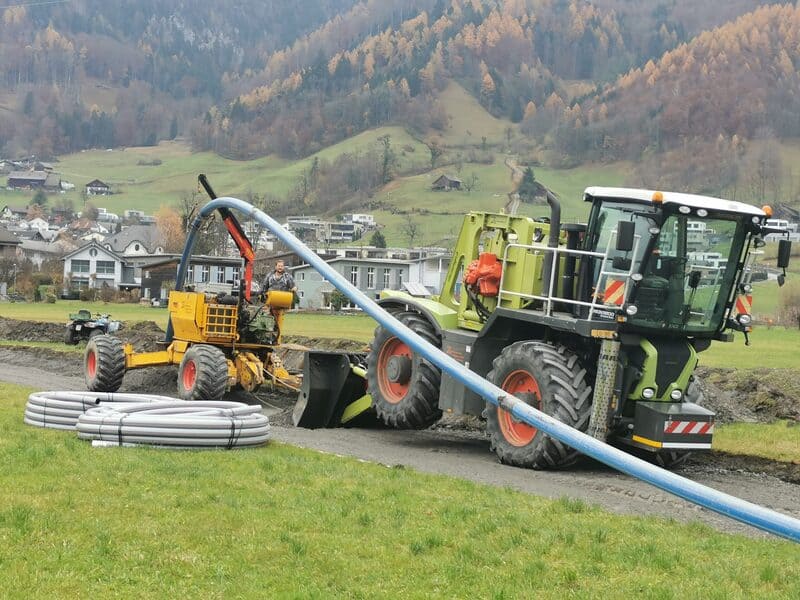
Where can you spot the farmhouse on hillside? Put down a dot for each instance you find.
(31, 180)
(446, 183)
(97, 188)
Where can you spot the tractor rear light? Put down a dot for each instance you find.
(648, 393)
(637, 277)
(684, 210)
(756, 220)
(631, 310)
(702, 212)
(676, 394)
(767, 210)
(744, 319)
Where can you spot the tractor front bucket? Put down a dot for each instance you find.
(333, 391)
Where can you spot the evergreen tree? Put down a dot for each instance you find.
(527, 187)
(40, 198)
(377, 239)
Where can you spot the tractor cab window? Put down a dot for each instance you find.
(603, 225)
(688, 274)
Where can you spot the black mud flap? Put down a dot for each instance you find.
(333, 391)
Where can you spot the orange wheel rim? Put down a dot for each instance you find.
(516, 432)
(393, 391)
(91, 363)
(189, 375)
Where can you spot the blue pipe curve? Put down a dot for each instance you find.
(720, 502)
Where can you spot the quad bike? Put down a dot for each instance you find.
(83, 326)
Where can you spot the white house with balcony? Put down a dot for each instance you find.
(93, 266)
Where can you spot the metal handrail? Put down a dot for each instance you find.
(549, 299)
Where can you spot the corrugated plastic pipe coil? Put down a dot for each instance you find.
(126, 419)
(61, 410)
(178, 424)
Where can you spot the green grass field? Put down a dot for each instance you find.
(776, 441)
(774, 348)
(278, 521)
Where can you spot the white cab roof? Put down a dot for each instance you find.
(691, 200)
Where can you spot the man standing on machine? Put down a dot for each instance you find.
(278, 281)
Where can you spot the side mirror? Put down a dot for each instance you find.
(626, 231)
(784, 251)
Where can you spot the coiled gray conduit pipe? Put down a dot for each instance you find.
(61, 410)
(177, 424)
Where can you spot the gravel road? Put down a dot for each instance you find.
(466, 454)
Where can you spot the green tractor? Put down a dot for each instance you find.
(597, 325)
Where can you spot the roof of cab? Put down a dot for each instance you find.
(691, 200)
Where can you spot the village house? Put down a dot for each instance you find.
(394, 269)
(97, 188)
(9, 244)
(446, 183)
(14, 213)
(205, 273)
(136, 240)
(27, 180)
(93, 266)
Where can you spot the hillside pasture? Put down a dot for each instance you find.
(140, 184)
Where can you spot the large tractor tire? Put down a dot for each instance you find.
(671, 459)
(104, 364)
(203, 374)
(549, 378)
(404, 386)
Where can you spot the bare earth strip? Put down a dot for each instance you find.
(466, 455)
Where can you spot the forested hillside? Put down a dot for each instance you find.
(597, 79)
(92, 73)
(698, 107)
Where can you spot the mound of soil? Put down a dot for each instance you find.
(144, 335)
(328, 343)
(31, 331)
(754, 396)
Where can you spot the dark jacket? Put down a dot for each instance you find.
(281, 283)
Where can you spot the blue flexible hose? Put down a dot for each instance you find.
(724, 504)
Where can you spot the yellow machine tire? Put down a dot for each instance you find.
(104, 363)
(203, 373)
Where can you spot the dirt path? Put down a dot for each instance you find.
(462, 454)
(512, 205)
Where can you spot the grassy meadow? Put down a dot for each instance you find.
(143, 186)
(778, 441)
(278, 521)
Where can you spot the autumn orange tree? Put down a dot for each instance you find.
(170, 227)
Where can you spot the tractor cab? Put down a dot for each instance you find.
(674, 264)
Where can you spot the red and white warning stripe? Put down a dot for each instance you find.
(615, 292)
(744, 304)
(689, 427)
